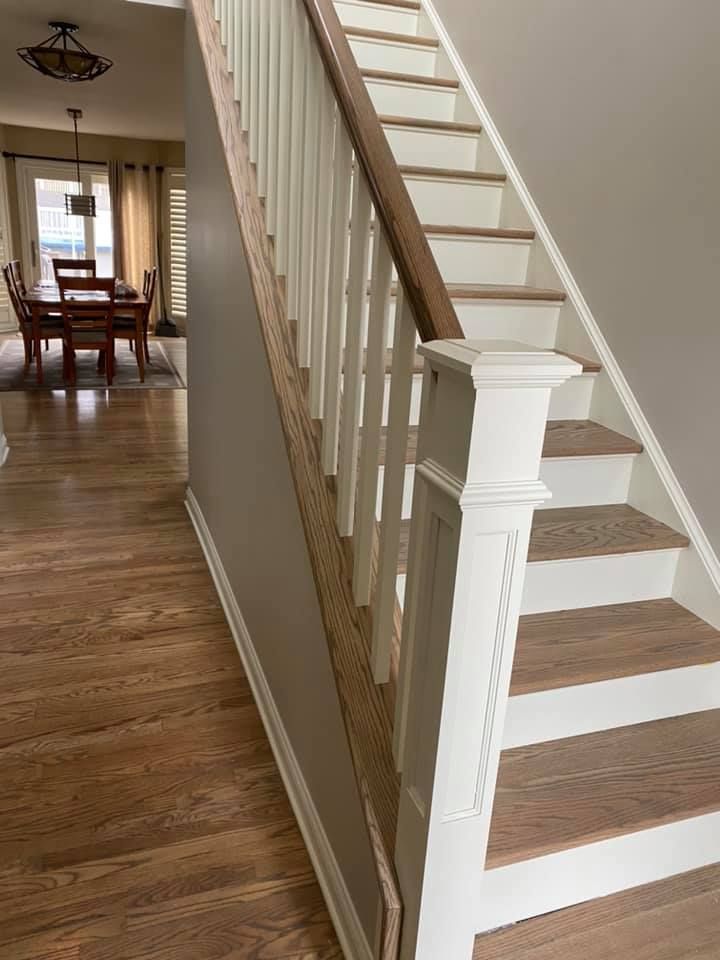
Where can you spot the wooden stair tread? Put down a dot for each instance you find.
(370, 74)
(452, 126)
(418, 365)
(589, 366)
(499, 233)
(585, 438)
(568, 647)
(492, 291)
(566, 793)
(572, 532)
(671, 919)
(392, 37)
(402, 4)
(449, 173)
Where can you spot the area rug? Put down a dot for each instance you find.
(160, 373)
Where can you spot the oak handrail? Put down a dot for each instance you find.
(424, 287)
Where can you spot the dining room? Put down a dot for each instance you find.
(92, 187)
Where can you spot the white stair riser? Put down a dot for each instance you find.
(573, 481)
(407, 491)
(533, 322)
(589, 707)
(462, 202)
(377, 16)
(412, 100)
(571, 401)
(416, 146)
(480, 260)
(587, 481)
(531, 888)
(397, 57)
(594, 581)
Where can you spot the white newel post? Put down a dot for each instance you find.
(482, 425)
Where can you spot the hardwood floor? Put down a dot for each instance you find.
(141, 812)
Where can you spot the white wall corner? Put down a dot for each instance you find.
(341, 908)
(701, 594)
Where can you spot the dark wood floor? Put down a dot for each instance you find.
(141, 812)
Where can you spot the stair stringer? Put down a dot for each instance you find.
(655, 488)
(366, 707)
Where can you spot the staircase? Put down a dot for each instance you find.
(549, 668)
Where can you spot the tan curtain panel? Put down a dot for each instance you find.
(140, 224)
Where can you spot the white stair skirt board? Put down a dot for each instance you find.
(587, 481)
(596, 581)
(621, 702)
(572, 400)
(412, 99)
(467, 203)
(416, 146)
(342, 911)
(480, 259)
(393, 55)
(377, 16)
(531, 888)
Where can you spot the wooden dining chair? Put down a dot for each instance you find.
(17, 275)
(125, 324)
(51, 324)
(63, 266)
(87, 320)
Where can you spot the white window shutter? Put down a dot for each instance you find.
(177, 209)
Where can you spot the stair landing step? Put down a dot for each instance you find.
(569, 647)
(569, 533)
(567, 793)
(672, 919)
(394, 77)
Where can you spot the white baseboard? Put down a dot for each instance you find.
(348, 927)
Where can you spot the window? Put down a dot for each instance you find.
(177, 215)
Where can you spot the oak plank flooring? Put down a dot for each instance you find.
(141, 811)
(565, 793)
(673, 919)
(568, 647)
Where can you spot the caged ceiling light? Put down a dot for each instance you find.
(63, 57)
(78, 204)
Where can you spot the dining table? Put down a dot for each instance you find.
(44, 298)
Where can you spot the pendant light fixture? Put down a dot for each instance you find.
(78, 204)
(63, 57)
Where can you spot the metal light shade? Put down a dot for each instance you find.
(63, 57)
(80, 205)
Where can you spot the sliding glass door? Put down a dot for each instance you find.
(47, 231)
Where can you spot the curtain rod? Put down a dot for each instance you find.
(95, 163)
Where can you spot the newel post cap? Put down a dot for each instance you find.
(501, 363)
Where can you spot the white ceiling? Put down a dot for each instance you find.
(140, 96)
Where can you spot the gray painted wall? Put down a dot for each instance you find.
(610, 111)
(240, 475)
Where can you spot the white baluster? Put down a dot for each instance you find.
(337, 279)
(354, 344)
(263, 84)
(313, 69)
(245, 91)
(322, 248)
(285, 123)
(272, 113)
(476, 487)
(216, 9)
(297, 142)
(238, 44)
(230, 32)
(254, 80)
(403, 360)
(223, 21)
(368, 470)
